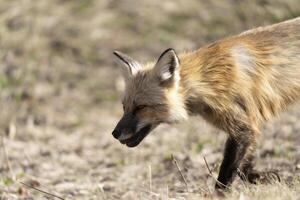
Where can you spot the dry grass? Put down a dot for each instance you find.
(59, 101)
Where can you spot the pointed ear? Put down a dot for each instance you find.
(167, 66)
(129, 65)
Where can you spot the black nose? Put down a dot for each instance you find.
(116, 133)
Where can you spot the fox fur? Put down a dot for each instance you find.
(236, 84)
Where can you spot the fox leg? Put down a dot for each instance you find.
(241, 137)
(248, 173)
(246, 170)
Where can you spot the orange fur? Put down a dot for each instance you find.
(264, 84)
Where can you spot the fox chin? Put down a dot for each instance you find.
(236, 84)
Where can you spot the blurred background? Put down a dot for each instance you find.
(60, 99)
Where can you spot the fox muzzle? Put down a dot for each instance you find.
(127, 131)
(125, 127)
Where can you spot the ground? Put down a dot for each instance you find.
(60, 100)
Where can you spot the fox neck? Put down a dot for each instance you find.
(189, 75)
(181, 93)
(176, 101)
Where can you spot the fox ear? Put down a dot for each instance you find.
(130, 66)
(167, 66)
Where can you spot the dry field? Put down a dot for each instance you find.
(60, 99)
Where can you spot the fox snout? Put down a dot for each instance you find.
(129, 131)
(125, 127)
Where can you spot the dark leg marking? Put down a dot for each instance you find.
(227, 169)
(233, 155)
(237, 144)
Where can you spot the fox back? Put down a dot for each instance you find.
(256, 73)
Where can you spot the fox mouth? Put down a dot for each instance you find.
(138, 137)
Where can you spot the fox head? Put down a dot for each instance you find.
(152, 96)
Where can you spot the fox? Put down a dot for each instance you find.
(236, 84)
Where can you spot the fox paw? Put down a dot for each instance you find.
(261, 177)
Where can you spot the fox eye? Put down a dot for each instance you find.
(140, 107)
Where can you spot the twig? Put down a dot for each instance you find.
(211, 174)
(150, 178)
(42, 191)
(179, 170)
(7, 160)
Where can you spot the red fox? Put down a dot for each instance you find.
(235, 84)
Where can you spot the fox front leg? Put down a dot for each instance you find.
(240, 139)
